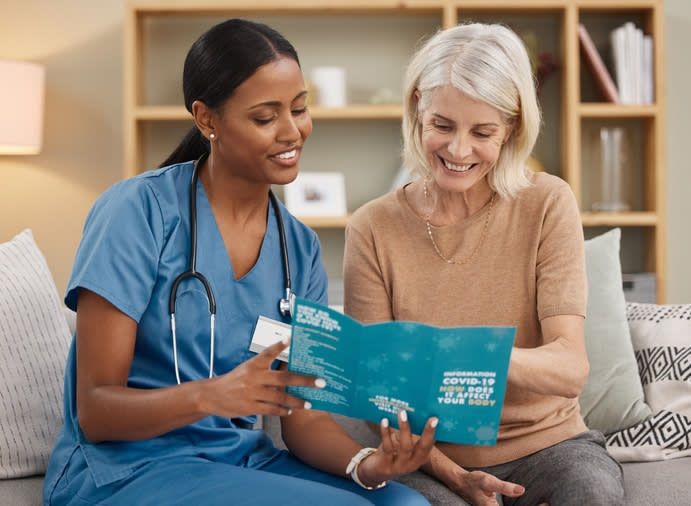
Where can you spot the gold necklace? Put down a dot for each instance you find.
(434, 243)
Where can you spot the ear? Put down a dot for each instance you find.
(203, 118)
(416, 96)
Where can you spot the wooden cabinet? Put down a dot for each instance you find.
(373, 40)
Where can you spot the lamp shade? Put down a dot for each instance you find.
(21, 107)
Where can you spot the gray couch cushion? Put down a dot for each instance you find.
(664, 483)
(22, 491)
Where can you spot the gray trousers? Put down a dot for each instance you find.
(575, 472)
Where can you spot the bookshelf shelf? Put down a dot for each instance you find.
(325, 221)
(351, 112)
(604, 110)
(373, 40)
(630, 219)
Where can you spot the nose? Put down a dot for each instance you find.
(288, 132)
(460, 147)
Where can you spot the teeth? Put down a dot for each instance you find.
(457, 168)
(287, 154)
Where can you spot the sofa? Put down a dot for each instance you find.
(665, 481)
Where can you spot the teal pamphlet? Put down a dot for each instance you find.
(375, 371)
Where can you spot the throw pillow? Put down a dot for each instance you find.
(661, 336)
(613, 397)
(34, 340)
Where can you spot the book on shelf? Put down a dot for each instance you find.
(597, 67)
(377, 370)
(632, 52)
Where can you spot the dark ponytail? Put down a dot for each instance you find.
(217, 63)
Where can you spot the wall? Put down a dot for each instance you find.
(80, 42)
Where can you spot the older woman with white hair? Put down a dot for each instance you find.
(478, 239)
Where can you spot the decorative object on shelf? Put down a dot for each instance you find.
(317, 194)
(329, 85)
(597, 67)
(639, 287)
(612, 160)
(543, 63)
(21, 103)
(385, 96)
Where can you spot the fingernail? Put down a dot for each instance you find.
(385, 422)
(286, 341)
(320, 383)
(290, 412)
(308, 405)
(434, 422)
(404, 416)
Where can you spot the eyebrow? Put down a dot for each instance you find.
(444, 118)
(277, 103)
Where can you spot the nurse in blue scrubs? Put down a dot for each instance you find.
(132, 434)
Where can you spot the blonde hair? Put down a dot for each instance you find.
(490, 64)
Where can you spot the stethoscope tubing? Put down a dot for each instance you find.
(285, 303)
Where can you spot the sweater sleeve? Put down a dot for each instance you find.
(366, 297)
(560, 269)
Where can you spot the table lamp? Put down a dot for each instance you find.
(21, 107)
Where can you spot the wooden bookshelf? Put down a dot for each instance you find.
(569, 111)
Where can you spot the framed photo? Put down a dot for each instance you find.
(316, 194)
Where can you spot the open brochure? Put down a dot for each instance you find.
(375, 371)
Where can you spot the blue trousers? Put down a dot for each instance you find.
(284, 480)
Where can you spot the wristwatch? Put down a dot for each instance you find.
(355, 462)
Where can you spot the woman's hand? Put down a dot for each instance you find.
(399, 452)
(253, 388)
(480, 489)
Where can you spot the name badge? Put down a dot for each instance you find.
(268, 332)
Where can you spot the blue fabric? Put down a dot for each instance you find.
(135, 242)
(190, 480)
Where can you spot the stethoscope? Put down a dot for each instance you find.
(285, 304)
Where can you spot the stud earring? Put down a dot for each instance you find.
(212, 136)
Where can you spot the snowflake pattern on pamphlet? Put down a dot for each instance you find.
(447, 343)
(485, 434)
(491, 346)
(406, 356)
(449, 424)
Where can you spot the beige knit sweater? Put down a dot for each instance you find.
(529, 266)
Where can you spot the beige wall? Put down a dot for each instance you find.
(80, 42)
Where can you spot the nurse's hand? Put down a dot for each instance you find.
(399, 453)
(253, 388)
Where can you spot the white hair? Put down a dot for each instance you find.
(488, 63)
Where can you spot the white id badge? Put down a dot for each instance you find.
(268, 332)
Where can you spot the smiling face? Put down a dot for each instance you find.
(260, 131)
(461, 139)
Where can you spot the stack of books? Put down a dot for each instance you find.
(632, 58)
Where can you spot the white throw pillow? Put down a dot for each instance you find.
(661, 336)
(34, 340)
(612, 399)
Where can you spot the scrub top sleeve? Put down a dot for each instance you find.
(119, 252)
(317, 290)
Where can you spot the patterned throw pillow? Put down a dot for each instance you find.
(661, 337)
(34, 339)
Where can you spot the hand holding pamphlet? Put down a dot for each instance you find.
(375, 371)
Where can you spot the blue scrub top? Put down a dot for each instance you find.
(136, 241)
